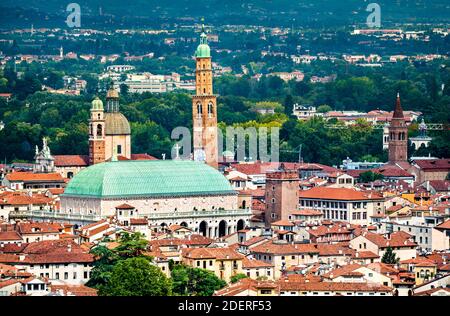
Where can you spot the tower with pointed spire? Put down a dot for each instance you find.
(204, 106)
(398, 135)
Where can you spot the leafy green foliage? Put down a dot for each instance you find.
(369, 176)
(194, 281)
(136, 277)
(238, 277)
(389, 257)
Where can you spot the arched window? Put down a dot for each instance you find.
(99, 130)
(199, 109)
(99, 116)
(210, 109)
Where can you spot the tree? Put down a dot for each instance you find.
(136, 277)
(194, 281)
(288, 105)
(369, 176)
(238, 277)
(131, 245)
(389, 257)
(324, 108)
(105, 259)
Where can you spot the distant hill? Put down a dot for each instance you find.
(265, 12)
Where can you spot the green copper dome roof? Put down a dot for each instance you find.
(97, 104)
(148, 178)
(203, 49)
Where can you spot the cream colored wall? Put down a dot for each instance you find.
(361, 243)
(263, 272)
(402, 253)
(439, 240)
(111, 142)
(148, 206)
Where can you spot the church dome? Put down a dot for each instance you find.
(97, 104)
(152, 178)
(116, 124)
(203, 51)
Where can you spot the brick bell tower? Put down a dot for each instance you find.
(97, 133)
(398, 135)
(204, 107)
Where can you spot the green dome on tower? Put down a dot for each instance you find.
(97, 104)
(203, 50)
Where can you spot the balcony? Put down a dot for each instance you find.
(47, 214)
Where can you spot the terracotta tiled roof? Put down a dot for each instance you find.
(436, 164)
(20, 198)
(282, 223)
(125, 206)
(307, 212)
(9, 236)
(253, 263)
(138, 221)
(397, 239)
(344, 270)
(270, 247)
(333, 286)
(30, 176)
(365, 255)
(432, 291)
(77, 290)
(440, 185)
(142, 157)
(39, 228)
(333, 250)
(246, 285)
(71, 160)
(213, 253)
(50, 251)
(343, 194)
(444, 226)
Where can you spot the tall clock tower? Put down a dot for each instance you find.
(398, 135)
(97, 133)
(204, 107)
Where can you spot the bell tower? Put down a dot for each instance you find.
(97, 133)
(398, 135)
(204, 107)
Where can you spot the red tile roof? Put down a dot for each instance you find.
(282, 223)
(212, 253)
(433, 165)
(307, 212)
(270, 247)
(253, 263)
(397, 239)
(30, 176)
(142, 157)
(71, 160)
(9, 236)
(39, 228)
(77, 290)
(333, 286)
(444, 226)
